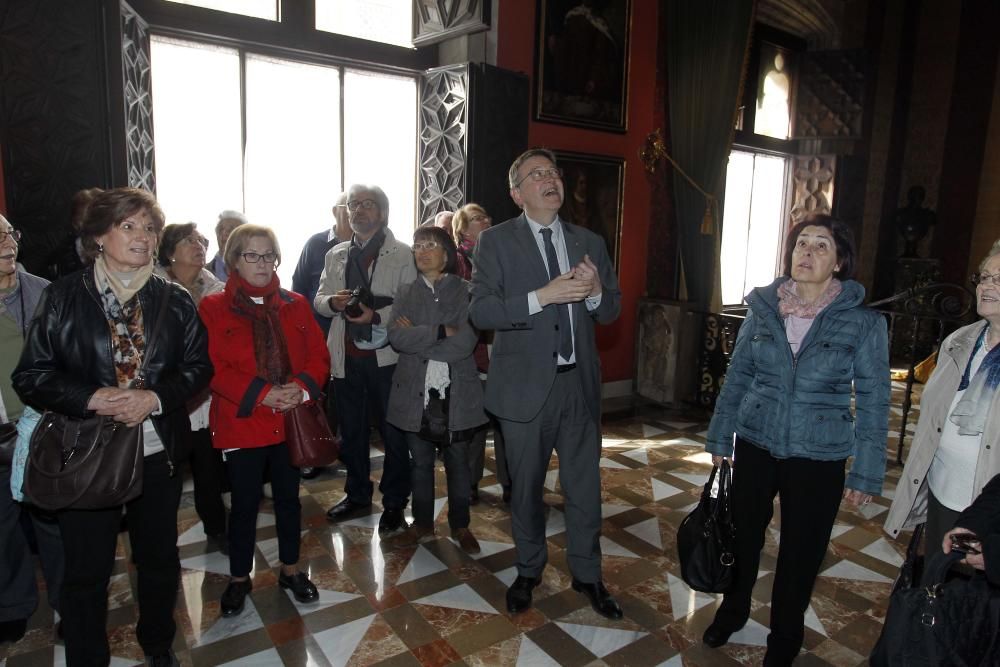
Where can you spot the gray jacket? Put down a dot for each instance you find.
(447, 305)
(29, 287)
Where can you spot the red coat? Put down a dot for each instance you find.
(237, 418)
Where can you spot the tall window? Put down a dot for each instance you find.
(270, 145)
(388, 21)
(261, 9)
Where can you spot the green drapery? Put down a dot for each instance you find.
(707, 44)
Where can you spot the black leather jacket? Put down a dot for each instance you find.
(67, 354)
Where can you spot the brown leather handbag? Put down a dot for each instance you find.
(87, 463)
(308, 437)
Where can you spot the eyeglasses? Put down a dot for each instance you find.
(986, 279)
(14, 234)
(480, 218)
(426, 245)
(254, 257)
(538, 175)
(366, 204)
(195, 240)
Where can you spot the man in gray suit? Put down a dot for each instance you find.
(542, 283)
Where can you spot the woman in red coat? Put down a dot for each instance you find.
(269, 356)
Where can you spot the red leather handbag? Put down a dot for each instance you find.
(310, 441)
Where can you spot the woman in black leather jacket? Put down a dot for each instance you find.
(81, 355)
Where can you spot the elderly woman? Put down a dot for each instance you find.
(787, 403)
(956, 447)
(19, 295)
(181, 260)
(430, 329)
(228, 221)
(81, 356)
(468, 223)
(269, 357)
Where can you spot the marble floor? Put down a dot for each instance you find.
(433, 605)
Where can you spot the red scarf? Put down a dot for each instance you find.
(269, 346)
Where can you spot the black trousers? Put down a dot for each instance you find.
(18, 588)
(246, 478)
(363, 389)
(456, 466)
(208, 472)
(810, 492)
(89, 539)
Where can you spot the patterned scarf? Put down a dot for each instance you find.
(789, 302)
(128, 340)
(970, 413)
(269, 346)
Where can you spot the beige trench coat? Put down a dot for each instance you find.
(909, 506)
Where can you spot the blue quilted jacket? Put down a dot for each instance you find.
(802, 407)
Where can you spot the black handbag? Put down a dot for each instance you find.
(87, 463)
(955, 623)
(913, 567)
(706, 538)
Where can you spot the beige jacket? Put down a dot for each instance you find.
(909, 506)
(393, 269)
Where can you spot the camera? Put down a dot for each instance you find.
(966, 543)
(359, 295)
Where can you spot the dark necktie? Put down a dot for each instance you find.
(565, 332)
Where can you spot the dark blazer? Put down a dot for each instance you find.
(508, 265)
(982, 517)
(67, 354)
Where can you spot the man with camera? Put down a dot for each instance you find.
(356, 290)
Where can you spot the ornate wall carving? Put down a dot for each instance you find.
(438, 20)
(473, 122)
(138, 100)
(53, 123)
(830, 95)
(442, 154)
(812, 181)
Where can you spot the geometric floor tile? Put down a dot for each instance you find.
(551, 478)
(683, 600)
(675, 661)
(507, 576)
(663, 490)
(647, 531)
(601, 641)
(556, 523)
(884, 552)
(651, 431)
(531, 654)
(610, 548)
(611, 509)
(326, 599)
(224, 628)
(847, 570)
(59, 658)
(812, 621)
(459, 597)
(640, 455)
(267, 658)
(751, 634)
(491, 548)
(338, 643)
(213, 561)
(698, 479)
(422, 563)
(608, 463)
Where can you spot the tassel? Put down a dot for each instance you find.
(708, 220)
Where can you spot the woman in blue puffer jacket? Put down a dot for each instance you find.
(807, 344)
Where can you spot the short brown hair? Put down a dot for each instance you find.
(238, 240)
(524, 157)
(843, 238)
(441, 236)
(109, 209)
(171, 236)
(463, 217)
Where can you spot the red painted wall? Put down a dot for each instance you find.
(516, 51)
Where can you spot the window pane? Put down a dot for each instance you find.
(388, 21)
(292, 167)
(199, 159)
(380, 141)
(752, 223)
(262, 9)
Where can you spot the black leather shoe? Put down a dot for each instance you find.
(346, 509)
(600, 599)
(392, 520)
(506, 494)
(168, 659)
(234, 597)
(299, 585)
(715, 636)
(13, 631)
(519, 593)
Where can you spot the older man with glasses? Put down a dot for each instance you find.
(359, 282)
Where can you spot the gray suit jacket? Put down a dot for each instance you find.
(508, 266)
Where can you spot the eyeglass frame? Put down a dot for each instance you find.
(366, 204)
(427, 245)
(259, 256)
(991, 279)
(15, 234)
(537, 175)
(195, 239)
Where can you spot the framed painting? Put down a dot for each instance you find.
(581, 63)
(594, 189)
